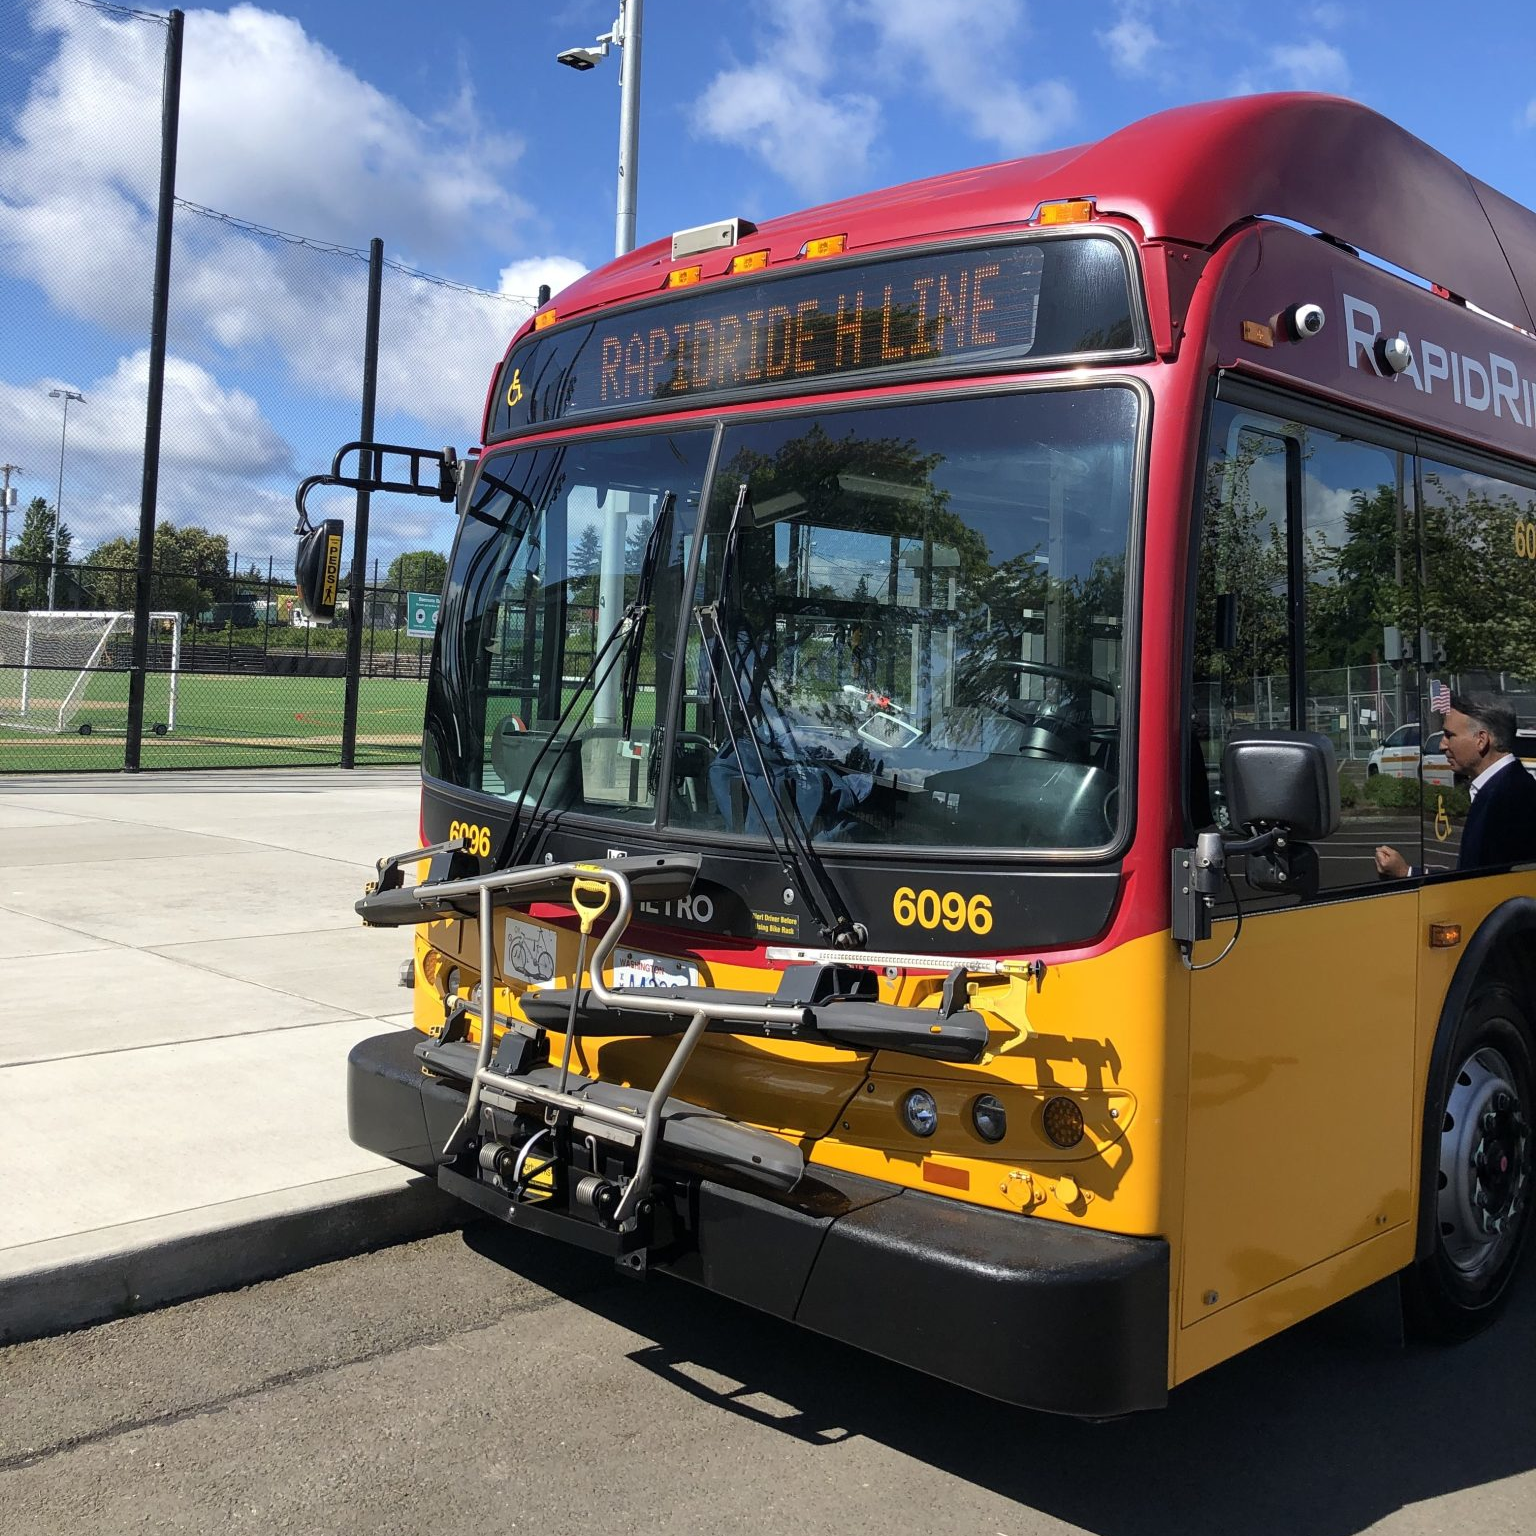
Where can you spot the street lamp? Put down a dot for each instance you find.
(625, 34)
(66, 395)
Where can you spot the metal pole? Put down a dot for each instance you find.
(366, 467)
(66, 395)
(627, 36)
(610, 602)
(5, 519)
(170, 120)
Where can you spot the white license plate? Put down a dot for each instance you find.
(634, 968)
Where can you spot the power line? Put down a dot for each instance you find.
(327, 248)
(122, 10)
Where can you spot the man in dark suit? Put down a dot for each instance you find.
(1479, 740)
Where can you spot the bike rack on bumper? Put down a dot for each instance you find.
(1020, 1308)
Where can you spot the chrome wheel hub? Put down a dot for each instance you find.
(1485, 1165)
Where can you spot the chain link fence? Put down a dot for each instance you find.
(264, 364)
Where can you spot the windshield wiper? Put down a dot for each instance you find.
(798, 854)
(629, 683)
(622, 643)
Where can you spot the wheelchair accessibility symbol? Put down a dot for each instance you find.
(1442, 820)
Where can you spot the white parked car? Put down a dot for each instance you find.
(1398, 756)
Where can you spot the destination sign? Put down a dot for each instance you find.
(952, 309)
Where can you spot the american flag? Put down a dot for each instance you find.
(1439, 697)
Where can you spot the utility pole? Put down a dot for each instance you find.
(6, 503)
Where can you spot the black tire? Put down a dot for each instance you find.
(1371, 770)
(1482, 1190)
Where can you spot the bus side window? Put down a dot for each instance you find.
(1242, 645)
(1358, 561)
(1479, 597)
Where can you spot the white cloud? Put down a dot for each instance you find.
(203, 424)
(818, 143)
(275, 129)
(214, 441)
(967, 54)
(782, 106)
(521, 279)
(1132, 44)
(1315, 66)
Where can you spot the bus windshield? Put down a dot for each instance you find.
(900, 625)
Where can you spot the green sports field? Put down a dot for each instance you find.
(221, 721)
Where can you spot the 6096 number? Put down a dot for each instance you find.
(951, 910)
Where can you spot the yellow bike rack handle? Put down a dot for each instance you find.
(585, 896)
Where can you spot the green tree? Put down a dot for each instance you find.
(191, 569)
(417, 570)
(36, 541)
(587, 557)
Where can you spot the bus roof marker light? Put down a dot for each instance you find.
(683, 277)
(824, 245)
(1257, 334)
(1067, 210)
(703, 238)
(544, 320)
(749, 261)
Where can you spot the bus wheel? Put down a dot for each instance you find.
(1481, 1205)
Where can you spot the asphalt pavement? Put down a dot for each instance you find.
(182, 975)
(496, 1381)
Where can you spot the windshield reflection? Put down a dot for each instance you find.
(906, 626)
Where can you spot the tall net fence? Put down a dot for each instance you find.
(264, 369)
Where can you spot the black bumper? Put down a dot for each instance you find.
(1019, 1308)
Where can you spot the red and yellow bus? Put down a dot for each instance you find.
(888, 782)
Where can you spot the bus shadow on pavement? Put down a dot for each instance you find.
(1328, 1428)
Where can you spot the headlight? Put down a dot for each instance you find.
(919, 1113)
(990, 1118)
(451, 982)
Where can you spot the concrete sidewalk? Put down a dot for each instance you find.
(181, 978)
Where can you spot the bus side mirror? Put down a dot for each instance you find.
(1283, 783)
(1282, 779)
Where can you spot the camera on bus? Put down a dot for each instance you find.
(1304, 321)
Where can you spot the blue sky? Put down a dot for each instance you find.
(451, 132)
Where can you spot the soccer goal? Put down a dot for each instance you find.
(63, 670)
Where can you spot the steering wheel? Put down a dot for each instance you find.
(1048, 733)
(1062, 674)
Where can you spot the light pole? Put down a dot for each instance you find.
(66, 395)
(625, 34)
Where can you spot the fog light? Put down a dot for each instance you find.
(920, 1113)
(1063, 1122)
(990, 1118)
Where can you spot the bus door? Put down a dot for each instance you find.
(1302, 1130)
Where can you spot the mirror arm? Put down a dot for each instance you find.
(1200, 872)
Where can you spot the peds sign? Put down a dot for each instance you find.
(317, 570)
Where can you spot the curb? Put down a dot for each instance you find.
(72, 1282)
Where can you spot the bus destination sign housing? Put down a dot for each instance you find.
(951, 308)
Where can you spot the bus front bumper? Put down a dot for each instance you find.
(1019, 1308)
